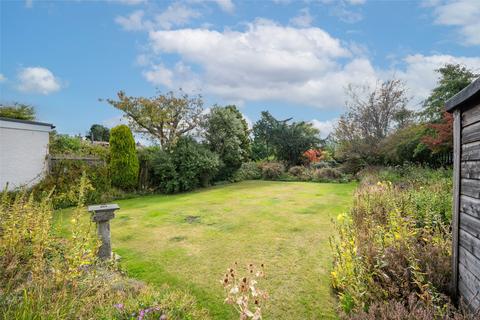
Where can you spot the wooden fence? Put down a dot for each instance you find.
(90, 160)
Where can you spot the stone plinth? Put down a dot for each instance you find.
(102, 214)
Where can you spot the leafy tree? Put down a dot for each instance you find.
(441, 139)
(165, 117)
(283, 140)
(185, 166)
(262, 147)
(404, 117)
(406, 145)
(123, 158)
(290, 141)
(17, 111)
(372, 115)
(98, 132)
(453, 78)
(226, 133)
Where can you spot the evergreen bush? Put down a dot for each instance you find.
(124, 165)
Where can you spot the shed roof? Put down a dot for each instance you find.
(28, 122)
(462, 98)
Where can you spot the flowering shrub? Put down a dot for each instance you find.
(313, 155)
(442, 139)
(242, 291)
(393, 245)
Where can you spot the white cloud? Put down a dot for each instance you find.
(346, 15)
(419, 71)
(130, 2)
(142, 60)
(345, 9)
(325, 127)
(38, 80)
(355, 2)
(271, 62)
(266, 61)
(2, 78)
(159, 75)
(303, 19)
(174, 15)
(133, 22)
(464, 14)
(225, 5)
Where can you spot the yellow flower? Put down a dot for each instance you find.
(340, 217)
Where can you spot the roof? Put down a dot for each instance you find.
(469, 93)
(28, 122)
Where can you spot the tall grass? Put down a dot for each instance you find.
(393, 251)
(43, 276)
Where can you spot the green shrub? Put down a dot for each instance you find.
(44, 276)
(352, 165)
(64, 144)
(64, 178)
(185, 167)
(324, 164)
(300, 173)
(297, 171)
(395, 243)
(17, 111)
(146, 175)
(123, 158)
(327, 174)
(165, 172)
(248, 171)
(272, 170)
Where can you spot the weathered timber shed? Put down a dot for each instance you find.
(465, 107)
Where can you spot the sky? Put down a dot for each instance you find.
(292, 58)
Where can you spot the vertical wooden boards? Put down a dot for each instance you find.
(457, 143)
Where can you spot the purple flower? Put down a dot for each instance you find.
(119, 306)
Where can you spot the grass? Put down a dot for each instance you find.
(188, 240)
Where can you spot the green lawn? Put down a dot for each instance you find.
(188, 241)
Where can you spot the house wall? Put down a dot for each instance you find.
(467, 200)
(23, 152)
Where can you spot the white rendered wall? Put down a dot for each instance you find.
(23, 152)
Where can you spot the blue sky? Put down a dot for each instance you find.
(293, 58)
